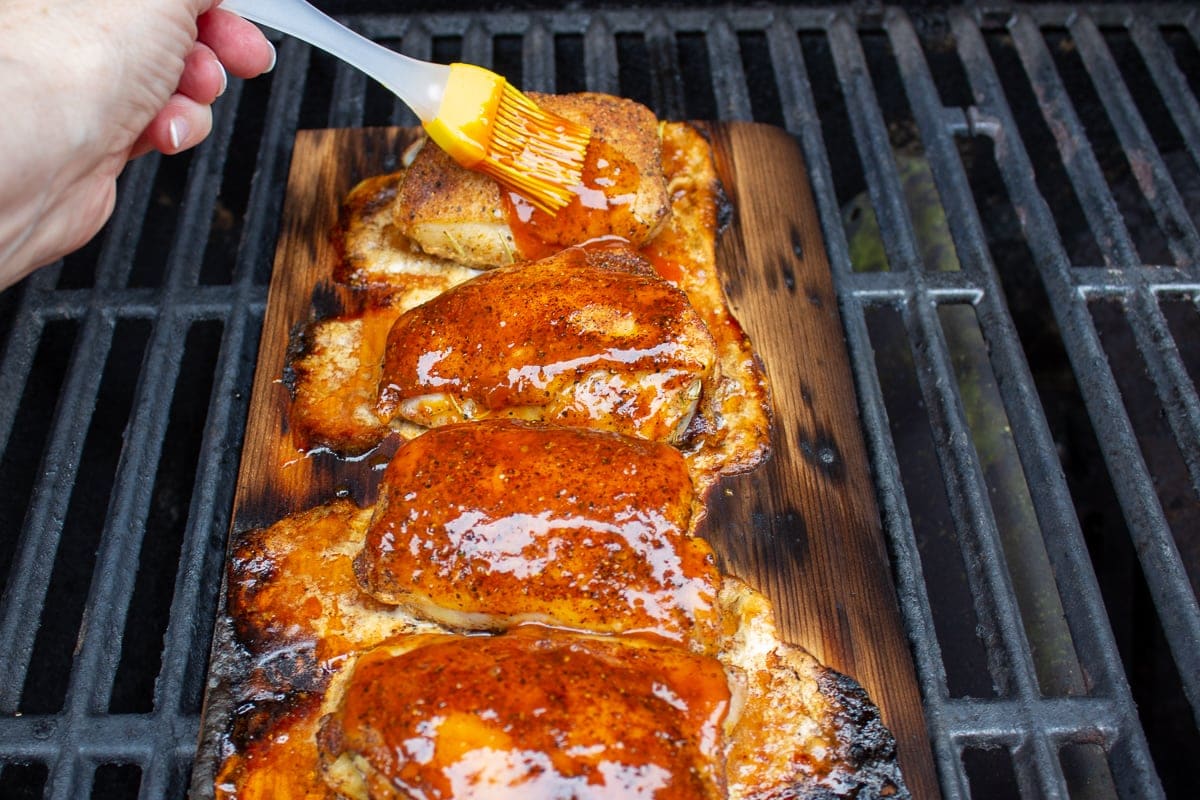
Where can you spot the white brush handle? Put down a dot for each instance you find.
(418, 83)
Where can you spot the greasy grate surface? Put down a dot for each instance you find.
(1010, 206)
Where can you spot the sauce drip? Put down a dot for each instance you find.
(600, 205)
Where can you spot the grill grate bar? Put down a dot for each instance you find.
(113, 738)
(212, 493)
(800, 116)
(349, 97)
(112, 592)
(1144, 159)
(959, 286)
(1178, 607)
(600, 57)
(976, 261)
(125, 228)
(34, 562)
(728, 75)
(95, 665)
(116, 261)
(1107, 224)
(1163, 361)
(1061, 533)
(204, 302)
(984, 723)
(1011, 668)
(1134, 486)
(1011, 664)
(18, 356)
(667, 88)
(1170, 376)
(194, 595)
(874, 149)
(265, 205)
(194, 598)
(1097, 282)
(35, 559)
(112, 587)
(477, 44)
(1183, 107)
(537, 59)
(349, 92)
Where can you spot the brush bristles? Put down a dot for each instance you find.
(536, 152)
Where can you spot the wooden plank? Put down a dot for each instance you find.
(276, 478)
(803, 527)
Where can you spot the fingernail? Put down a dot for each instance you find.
(177, 130)
(274, 55)
(224, 79)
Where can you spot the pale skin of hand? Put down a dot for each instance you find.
(88, 85)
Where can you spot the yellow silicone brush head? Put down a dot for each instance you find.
(487, 125)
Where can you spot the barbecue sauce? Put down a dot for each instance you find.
(565, 336)
(600, 205)
(534, 714)
(511, 521)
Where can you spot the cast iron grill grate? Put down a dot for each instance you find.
(1010, 204)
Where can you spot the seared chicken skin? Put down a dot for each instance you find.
(465, 216)
(590, 337)
(531, 714)
(486, 525)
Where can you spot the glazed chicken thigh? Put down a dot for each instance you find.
(534, 714)
(590, 337)
(489, 524)
(466, 218)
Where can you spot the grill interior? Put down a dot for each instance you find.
(1009, 201)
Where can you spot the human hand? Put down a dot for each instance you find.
(92, 84)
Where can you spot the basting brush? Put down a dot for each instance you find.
(473, 114)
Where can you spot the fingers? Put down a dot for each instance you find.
(239, 44)
(203, 79)
(182, 123)
(225, 42)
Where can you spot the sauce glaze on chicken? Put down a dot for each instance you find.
(491, 524)
(722, 431)
(589, 337)
(533, 714)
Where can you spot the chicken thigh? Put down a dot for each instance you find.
(535, 714)
(468, 219)
(489, 524)
(590, 337)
